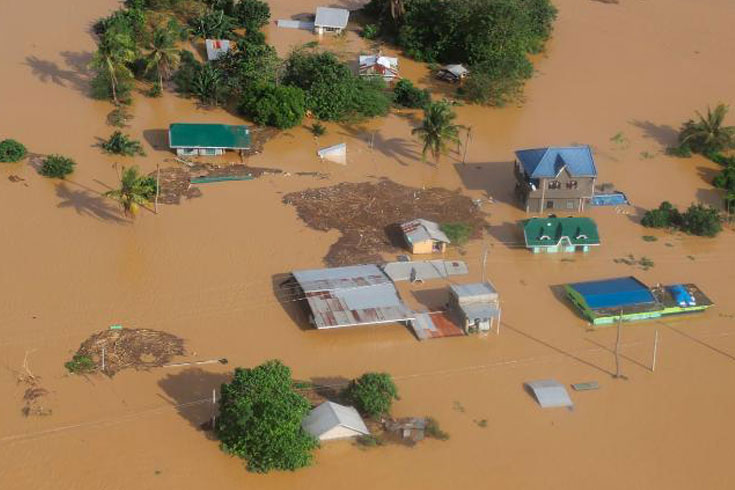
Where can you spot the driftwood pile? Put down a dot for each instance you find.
(367, 215)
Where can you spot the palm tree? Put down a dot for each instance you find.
(397, 9)
(163, 55)
(115, 51)
(708, 134)
(135, 190)
(437, 129)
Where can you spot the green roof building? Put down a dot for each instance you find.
(207, 139)
(552, 234)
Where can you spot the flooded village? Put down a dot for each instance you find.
(230, 287)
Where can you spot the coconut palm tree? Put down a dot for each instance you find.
(397, 9)
(135, 190)
(115, 51)
(163, 55)
(708, 134)
(437, 130)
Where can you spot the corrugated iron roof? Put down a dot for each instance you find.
(549, 162)
(216, 48)
(329, 415)
(424, 269)
(352, 295)
(420, 230)
(331, 17)
(474, 290)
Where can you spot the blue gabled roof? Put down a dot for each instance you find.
(548, 162)
(614, 293)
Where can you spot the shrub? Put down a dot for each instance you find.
(252, 14)
(701, 220)
(369, 440)
(681, 151)
(279, 106)
(260, 418)
(370, 98)
(434, 431)
(12, 151)
(406, 94)
(57, 166)
(373, 393)
(370, 31)
(80, 364)
(121, 144)
(458, 233)
(318, 129)
(666, 216)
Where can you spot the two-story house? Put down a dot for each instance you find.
(555, 178)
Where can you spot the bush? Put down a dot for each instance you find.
(318, 129)
(12, 151)
(279, 106)
(373, 393)
(260, 418)
(666, 216)
(252, 14)
(80, 364)
(122, 144)
(57, 166)
(406, 94)
(434, 431)
(370, 31)
(701, 220)
(458, 233)
(370, 98)
(680, 151)
(491, 89)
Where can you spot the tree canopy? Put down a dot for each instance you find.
(12, 151)
(260, 418)
(437, 129)
(708, 134)
(280, 106)
(373, 393)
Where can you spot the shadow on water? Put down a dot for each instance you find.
(190, 391)
(399, 149)
(157, 138)
(496, 179)
(75, 75)
(287, 292)
(89, 203)
(663, 134)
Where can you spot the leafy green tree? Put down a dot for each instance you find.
(280, 106)
(437, 129)
(12, 151)
(57, 166)
(163, 56)
(252, 14)
(135, 190)
(458, 233)
(207, 85)
(406, 94)
(260, 418)
(250, 66)
(121, 144)
(666, 216)
(373, 393)
(213, 24)
(708, 134)
(701, 220)
(114, 52)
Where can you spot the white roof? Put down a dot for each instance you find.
(456, 70)
(550, 393)
(216, 48)
(331, 17)
(329, 415)
(420, 230)
(386, 61)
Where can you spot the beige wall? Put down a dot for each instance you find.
(338, 432)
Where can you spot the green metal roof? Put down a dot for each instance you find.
(550, 232)
(190, 135)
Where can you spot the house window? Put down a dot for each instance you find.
(554, 184)
(549, 204)
(209, 151)
(572, 184)
(570, 204)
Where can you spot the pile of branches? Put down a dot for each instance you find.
(136, 348)
(367, 215)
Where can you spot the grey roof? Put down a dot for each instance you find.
(352, 295)
(329, 415)
(424, 269)
(331, 17)
(549, 162)
(420, 230)
(456, 70)
(550, 393)
(480, 291)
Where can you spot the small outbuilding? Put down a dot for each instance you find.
(216, 48)
(550, 393)
(552, 234)
(330, 421)
(476, 306)
(190, 139)
(452, 73)
(330, 19)
(424, 236)
(379, 66)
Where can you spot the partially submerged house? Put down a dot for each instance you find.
(330, 19)
(452, 73)
(627, 299)
(550, 393)
(190, 139)
(555, 178)
(424, 236)
(552, 234)
(476, 306)
(216, 48)
(350, 296)
(378, 65)
(330, 421)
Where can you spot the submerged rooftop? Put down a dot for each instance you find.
(197, 135)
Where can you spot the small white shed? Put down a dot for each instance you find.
(329, 19)
(331, 421)
(550, 393)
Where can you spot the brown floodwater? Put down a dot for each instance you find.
(204, 270)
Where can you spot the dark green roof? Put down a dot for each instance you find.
(189, 135)
(549, 232)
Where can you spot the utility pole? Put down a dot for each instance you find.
(655, 352)
(103, 359)
(158, 184)
(214, 408)
(617, 347)
(484, 262)
(466, 144)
